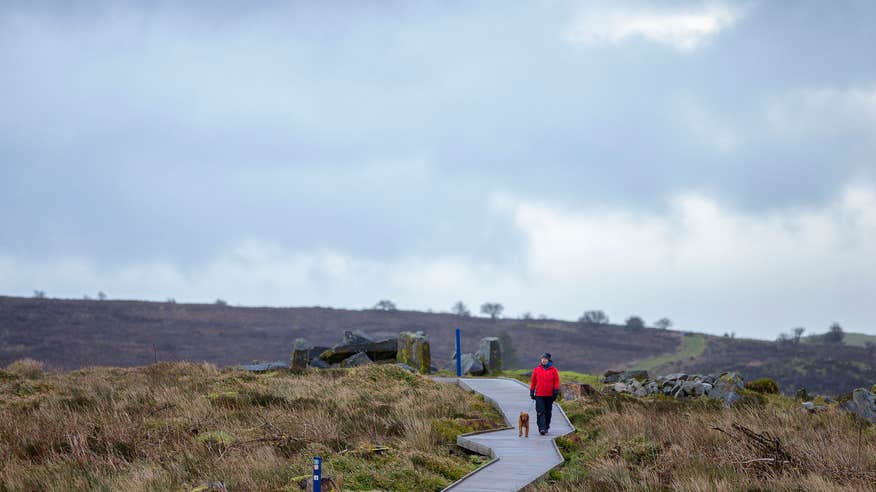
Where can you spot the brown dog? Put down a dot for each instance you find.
(523, 423)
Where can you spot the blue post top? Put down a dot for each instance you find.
(458, 356)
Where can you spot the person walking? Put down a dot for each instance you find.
(544, 388)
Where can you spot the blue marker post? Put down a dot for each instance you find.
(458, 355)
(317, 474)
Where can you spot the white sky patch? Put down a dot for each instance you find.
(683, 29)
(708, 127)
(708, 267)
(824, 111)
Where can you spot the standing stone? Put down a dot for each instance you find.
(490, 353)
(413, 350)
(300, 355)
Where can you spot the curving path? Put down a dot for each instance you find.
(517, 461)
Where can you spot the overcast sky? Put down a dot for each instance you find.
(710, 162)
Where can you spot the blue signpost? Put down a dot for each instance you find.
(458, 356)
(317, 474)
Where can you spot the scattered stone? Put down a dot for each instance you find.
(490, 353)
(319, 363)
(811, 407)
(356, 360)
(405, 367)
(413, 349)
(725, 387)
(265, 366)
(862, 404)
(300, 355)
(615, 376)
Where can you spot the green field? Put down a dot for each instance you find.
(565, 377)
(853, 339)
(691, 346)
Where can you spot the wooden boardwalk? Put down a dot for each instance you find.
(517, 461)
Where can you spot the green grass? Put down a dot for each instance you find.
(691, 346)
(853, 339)
(565, 377)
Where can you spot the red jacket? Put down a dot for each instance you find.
(545, 381)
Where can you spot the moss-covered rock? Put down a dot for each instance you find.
(414, 350)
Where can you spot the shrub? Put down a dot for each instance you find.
(27, 368)
(763, 385)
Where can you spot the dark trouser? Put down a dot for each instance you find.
(543, 407)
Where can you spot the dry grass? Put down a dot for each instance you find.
(27, 368)
(174, 426)
(625, 443)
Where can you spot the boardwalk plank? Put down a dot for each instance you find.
(520, 460)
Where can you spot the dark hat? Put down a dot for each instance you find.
(545, 356)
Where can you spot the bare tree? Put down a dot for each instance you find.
(460, 309)
(526, 316)
(385, 305)
(101, 296)
(39, 294)
(835, 334)
(595, 317)
(798, 332)
(492, 309)
(663, 323)
(220, 302)
(634, 323)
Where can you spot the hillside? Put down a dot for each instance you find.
(854, 339)
(184, 426)
(69, 334)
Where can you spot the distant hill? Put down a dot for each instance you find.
(69, 334)
(853, 339)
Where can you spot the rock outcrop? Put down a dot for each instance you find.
(725, 387)
(354, 343)
(617, 376)
(413, 350)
